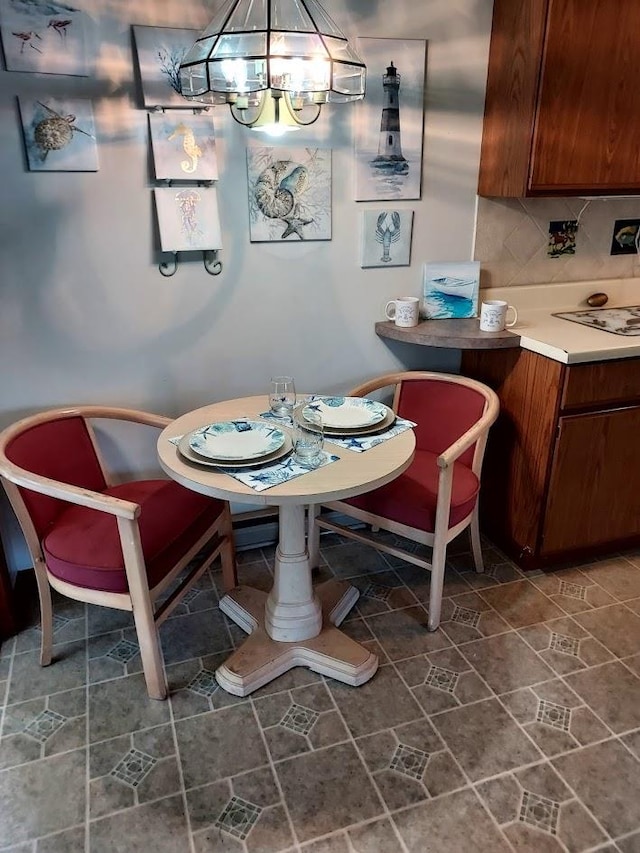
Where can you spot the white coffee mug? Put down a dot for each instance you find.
(405, 310)
(493, 316)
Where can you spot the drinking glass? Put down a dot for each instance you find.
(308, 434)
(282, 396)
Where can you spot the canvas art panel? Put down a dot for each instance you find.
(184, 146)
(289, 194)
(386, 238)
(160, 51)
(45, 37)
(450, 290)
(390, 120)
(188, 219)
(59, 134)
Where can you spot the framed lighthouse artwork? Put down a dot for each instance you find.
(390, 120)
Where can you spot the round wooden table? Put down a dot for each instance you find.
(295, 624)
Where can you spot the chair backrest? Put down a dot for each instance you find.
(59, 447)
(442, 409)
(443, 405)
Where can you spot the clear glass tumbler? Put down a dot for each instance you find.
(308, 435)
(282, 396)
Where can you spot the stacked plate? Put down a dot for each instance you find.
(352, 416)
(235, 444)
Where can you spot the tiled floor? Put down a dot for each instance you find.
(516, 726)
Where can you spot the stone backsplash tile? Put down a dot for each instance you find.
(512, 236)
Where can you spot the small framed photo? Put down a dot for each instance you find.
(386, 238)
(184, 147)
(450, 290)
(160, 51)
(188, 219)
(44, 37)
(59, 134)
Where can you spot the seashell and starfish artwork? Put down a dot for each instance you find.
(289, 194)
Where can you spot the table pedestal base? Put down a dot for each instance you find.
(260, 659)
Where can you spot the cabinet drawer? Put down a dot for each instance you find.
(601, 383)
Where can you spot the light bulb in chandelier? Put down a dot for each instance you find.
(275, 63)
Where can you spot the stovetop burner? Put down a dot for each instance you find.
(619, 321)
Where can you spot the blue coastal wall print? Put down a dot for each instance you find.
(59, 134)
(289, 194)
(390, 120)
(44, 36)
(188, 218)
(386, 238)
(450, 290)
(160, 51)
(184, 146)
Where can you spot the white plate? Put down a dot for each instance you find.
(343, 432)
(348, 412)
(191, 456)
(236, 441)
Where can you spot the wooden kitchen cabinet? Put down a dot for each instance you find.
(560, 478)
(563, 96)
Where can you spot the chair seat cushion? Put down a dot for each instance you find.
(83, 546)
(411, 498)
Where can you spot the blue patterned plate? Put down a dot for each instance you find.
(236, 440)
(348, 412)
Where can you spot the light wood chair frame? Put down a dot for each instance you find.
(443, 534)
(141, 599)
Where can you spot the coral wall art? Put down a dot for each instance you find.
(160, 51)
(59, 134)
(44, 36)
(390, 120)
(386, 238)
(188, 219)
(289, 194)
(184, 147)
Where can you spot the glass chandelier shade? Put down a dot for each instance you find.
(289, 50)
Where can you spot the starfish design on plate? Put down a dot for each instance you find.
(295, 223)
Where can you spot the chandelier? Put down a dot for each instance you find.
(275, 62)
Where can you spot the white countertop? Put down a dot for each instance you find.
(563, 340)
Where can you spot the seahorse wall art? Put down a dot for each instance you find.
(183, 146)
(289, 194)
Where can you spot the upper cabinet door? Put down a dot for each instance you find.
(586, 129)
(563, 99)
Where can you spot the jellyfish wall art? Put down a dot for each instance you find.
(188, 218)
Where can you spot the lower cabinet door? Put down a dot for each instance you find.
(594, 489)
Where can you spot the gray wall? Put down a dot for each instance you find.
(86, 316)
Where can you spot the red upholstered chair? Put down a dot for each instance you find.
(436, 498)
(116, 545)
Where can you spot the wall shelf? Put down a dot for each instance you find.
(453, 334)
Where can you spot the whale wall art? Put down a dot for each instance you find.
(289, 194)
